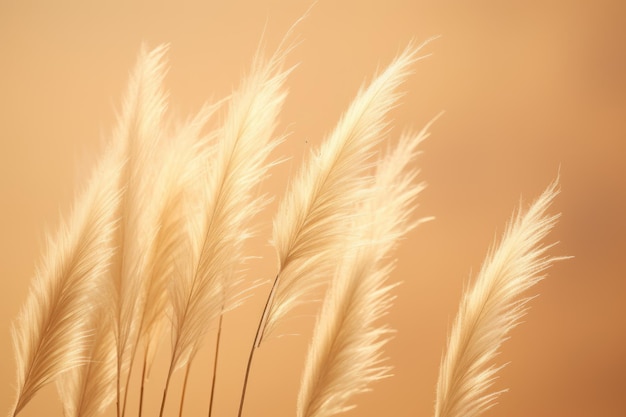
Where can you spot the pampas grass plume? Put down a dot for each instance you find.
(310, 225)
(345, 354)
(52, 331)
(87, 390)
(491, 308)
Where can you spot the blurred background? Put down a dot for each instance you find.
(530, 89)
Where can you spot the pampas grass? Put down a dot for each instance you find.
(160, 231)
(51, 333)
(204, 285)
(491, 308)
(310, 226)
(345, 352)
(139, 130)
(180, 159)
(88, 389)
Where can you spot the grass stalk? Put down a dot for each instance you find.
(182, 397)
(143, 381)
(217, 354)
(255, 345)
(167, 386)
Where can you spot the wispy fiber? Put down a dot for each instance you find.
(228, 204)
(178, 161)
(345, 354)
(310, 226)
(490, 309)
(140, 127)
(87, 390)
(51, 332)
(227, 188)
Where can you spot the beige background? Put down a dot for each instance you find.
(527, 87)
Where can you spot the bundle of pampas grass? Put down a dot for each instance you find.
(155, 243)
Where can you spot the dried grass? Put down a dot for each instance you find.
(160, 229)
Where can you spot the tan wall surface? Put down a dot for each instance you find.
(528, 88)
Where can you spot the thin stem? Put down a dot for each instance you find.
(130, 371)
(167, 385)
(143, 380)
(217, 353)
(254, 346)
(132, 362)
(266, 312)
(245, 380)
(119, 371)
(182, 398)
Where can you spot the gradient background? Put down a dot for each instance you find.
(527, 87)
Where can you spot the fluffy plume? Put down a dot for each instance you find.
(228, 203)
(310, 227)
(51, 332)
(490, 309)
(139, 130)
(87, 390)
(173, 188)
(345, 354)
